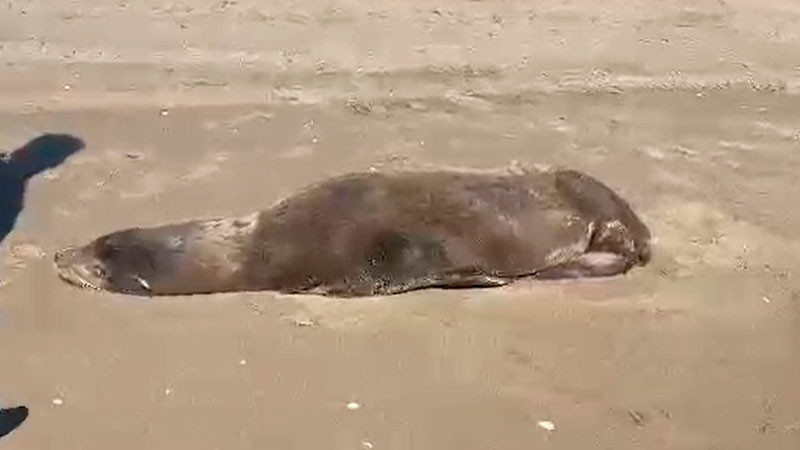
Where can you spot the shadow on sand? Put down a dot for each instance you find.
(11, 418)
(16, 168)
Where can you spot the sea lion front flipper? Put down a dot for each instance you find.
(449, 281)
(470, 281)
(587, 265)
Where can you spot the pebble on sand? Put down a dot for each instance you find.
(547, 425)
(304, 322)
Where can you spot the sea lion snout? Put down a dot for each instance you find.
(66, 259)
(65, 256)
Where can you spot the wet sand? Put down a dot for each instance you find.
(197, 109)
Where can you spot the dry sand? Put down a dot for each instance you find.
(195, 108)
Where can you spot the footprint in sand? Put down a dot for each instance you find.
(19, 255)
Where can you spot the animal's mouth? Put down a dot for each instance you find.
(645, 254)
(71, 272)
(73, 276)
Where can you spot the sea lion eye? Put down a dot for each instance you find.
(99, 272)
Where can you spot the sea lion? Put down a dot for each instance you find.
(378, 234)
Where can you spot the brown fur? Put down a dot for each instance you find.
(374, 234)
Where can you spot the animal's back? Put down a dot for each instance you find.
(373, 233)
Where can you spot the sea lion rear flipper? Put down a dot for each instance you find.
(624, 230)
(587, 265)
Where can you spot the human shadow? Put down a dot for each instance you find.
(11, 419)
(16, 168)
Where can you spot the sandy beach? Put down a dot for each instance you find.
(689, 109)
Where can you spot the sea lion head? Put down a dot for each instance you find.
(185, 258)
(127, 261)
